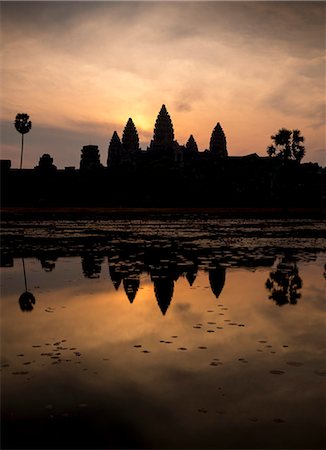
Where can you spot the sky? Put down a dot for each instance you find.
(81, 69)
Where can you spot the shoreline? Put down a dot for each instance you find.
(110, 211)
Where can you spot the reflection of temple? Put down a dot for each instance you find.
(47, 262)
(163, 288)
(165, 266)
(91, 265)
(131, 285)
(6, 259)
(217, 280)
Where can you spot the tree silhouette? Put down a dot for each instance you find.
(23, 126)
(284, 284)
(287, 145)
(27, 299)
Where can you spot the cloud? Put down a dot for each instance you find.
(250, 65)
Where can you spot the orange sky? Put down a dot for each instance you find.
(81, 69)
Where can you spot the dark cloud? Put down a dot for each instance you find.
(183, 106)
(299, 24)
(182, 307)
(213, 57)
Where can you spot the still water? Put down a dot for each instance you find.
(160, 346)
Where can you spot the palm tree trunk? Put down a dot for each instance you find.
(21, 153)
(25, 279)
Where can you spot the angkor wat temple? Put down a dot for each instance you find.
(126, 152)
(166, 174)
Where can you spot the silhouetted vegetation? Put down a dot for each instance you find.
(23, 126)
(287, 145)
(168, 174)
(284, 283)
(27, 301)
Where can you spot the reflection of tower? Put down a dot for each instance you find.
(91, 266)
(6, 260)
(47, 264)
(163, 288)
(131, 285)
(191, 273)
(217, 280)
(115, 276)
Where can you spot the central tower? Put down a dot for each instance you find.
(163, 138)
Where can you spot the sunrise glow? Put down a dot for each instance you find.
(81, 69)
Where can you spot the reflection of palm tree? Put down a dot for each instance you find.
(284, 284)
(23, 126)
(27, 299)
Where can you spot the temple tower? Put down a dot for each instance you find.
(217, 145)
(46, 164)
(163, 138)
(90, 157)
(130, 139)
(114, 151)
(191, 145)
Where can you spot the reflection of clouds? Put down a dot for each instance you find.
(176, 384)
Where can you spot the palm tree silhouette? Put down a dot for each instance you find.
(27, 299)
(284, 283)
(23, 126)
(287, 145)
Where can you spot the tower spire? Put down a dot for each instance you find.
(114, 151)
(163, 138)
(130, 139)
(191, 145)
(217, 143)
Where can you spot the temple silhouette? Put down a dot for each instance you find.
(166, 174)
(126, 152)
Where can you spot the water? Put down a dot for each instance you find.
(155, 339)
